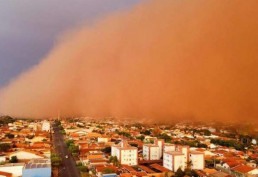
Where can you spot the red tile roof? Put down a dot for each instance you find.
(5, 174)
(159, 167)
(243, 169)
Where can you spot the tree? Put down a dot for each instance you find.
(146, 132)
(142, 137)
(6, 120)
(179, 173)
(69, 142)
(165, 137)
(55, 160)
(13, 159)
(9, 135)
(108, 171)
(4, 147)
(107, 150)
(114, 160)
(82, 168)
(206, 132)
(73, 148)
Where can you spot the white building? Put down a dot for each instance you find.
(160, 143)
(2, 158)
(197, 160)
(46, 126)
(14, 169)
(176, 156)
(174, 160)
(103, 139)
(126, 154)
(169, 147)
(151, 152)
(25, 155)
(185, 150)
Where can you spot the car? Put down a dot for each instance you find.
(66, 156)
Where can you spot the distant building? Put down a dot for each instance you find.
(126, 154)
(37, 168)
(103, 139)
(46, 126)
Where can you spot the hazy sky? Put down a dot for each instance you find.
(162, 60)
(28, 28)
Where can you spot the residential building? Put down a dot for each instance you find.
(126, 154)
(25, 155)
(46, 126)
(174, 160)
(169, 147)
(151, 152)
(197, 160)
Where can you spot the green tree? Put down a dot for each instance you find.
(13, 159)
(179, 173)
(107, 150)
(73, 148)
(206, 132)
(69, 142)
(142, 137)
(114, 160)
(146, 132)
(108, 171)
(55, 160)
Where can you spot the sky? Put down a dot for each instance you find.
(29, 28)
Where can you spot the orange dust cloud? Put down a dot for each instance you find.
(162, 60)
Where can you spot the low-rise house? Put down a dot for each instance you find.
(2, 158)
(106, 171)
(244, 170)
(24, 155)
(103, 139)
(15, 169)
(5, 174)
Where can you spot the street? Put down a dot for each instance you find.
(68, 167)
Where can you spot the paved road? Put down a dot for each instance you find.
(68, 168)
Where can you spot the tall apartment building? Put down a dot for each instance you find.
(151, 152)
(169, 147)
(197, 160)
(126, 154)
(176, 156)
(173, 160)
